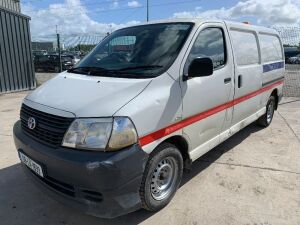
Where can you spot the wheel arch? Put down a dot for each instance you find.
(183, 146)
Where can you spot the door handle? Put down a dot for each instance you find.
(227, 80)
(239, 81)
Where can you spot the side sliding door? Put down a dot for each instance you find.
(248, 77)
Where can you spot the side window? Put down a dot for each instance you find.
(209, 43)
(245, 47)
(271, 49)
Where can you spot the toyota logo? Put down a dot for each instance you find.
(31, 123)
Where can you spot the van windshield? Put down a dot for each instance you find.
(136, 52)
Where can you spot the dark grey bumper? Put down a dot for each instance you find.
(103, 184)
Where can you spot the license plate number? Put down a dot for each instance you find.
(35, 167)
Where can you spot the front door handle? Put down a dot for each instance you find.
(227, 80)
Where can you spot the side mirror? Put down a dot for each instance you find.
(200, 67)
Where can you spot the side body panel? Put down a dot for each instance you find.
(261, 80)
(157, 107)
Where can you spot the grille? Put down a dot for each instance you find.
(68, 189)
(49, 129)
(57, 185)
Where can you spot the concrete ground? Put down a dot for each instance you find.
(43, 77)
(251, 179)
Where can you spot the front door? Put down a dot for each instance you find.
(205, 98)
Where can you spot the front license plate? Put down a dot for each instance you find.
(35, 167)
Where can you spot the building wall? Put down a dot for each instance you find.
(16, 65)
(11, 4)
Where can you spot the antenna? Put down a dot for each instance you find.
(58, 48)
(147, 10)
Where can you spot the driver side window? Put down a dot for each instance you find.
(209, 43)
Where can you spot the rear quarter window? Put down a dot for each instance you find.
(245, 47)
(271, 49)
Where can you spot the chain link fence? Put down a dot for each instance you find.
(291, 86)
(290, 36)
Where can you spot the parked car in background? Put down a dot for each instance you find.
(75, 58)
(288, 54)
(39, 52)
(50, 63)
(294, 60)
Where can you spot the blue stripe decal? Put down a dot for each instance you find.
(273, 66)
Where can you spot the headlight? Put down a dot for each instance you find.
(90, 134)
(123, 134)
(100, 134)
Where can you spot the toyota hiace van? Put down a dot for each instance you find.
(115, 132)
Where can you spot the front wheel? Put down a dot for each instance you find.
(162, 177)
(266, 119)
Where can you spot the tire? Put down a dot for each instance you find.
(56, 69)
(162, 176)
(266, 119)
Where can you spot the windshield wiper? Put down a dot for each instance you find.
(100, 71)
(147, 67)
(86, 69)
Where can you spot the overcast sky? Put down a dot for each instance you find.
(101, 16)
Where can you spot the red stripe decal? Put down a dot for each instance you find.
(188, 121)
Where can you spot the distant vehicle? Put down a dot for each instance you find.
(39, 52)
(50, 63)
(294, 60)
(53, 53)
(75, 58)
(114, 133)
(290, 54)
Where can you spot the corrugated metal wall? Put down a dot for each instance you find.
(16, 66)
(11, 4)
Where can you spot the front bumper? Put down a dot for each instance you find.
(103, 184)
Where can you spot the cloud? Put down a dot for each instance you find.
(134, 4)
(115, 4)
(266, 12)
(72, 18)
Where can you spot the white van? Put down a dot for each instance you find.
(114, 133)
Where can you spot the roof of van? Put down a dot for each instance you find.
(197, 21)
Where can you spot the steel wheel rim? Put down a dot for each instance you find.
(163, 179)
(270, 112)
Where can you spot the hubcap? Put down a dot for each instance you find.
(163, 178)
(270, 112)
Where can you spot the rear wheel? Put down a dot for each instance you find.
(162, 177)
(266, 119)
